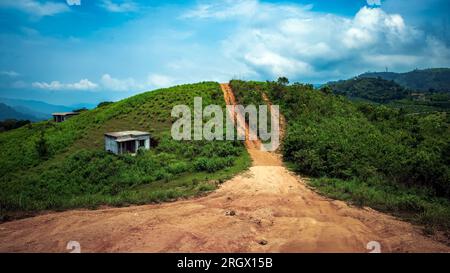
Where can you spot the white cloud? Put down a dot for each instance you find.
(9, 73)
(275, 63)
(34, 7)
(108, 83)
(130, 84)
(73, 2)
(226, 9)
(82, 85)
(373, 25)
(123, 6)
(114, 84)
(249, 10)
(292, 40)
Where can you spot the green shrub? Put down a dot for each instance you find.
(42, 146)
(212, 164)
(178, 167)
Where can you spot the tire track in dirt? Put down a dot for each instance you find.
(260, 158)
(266, 209)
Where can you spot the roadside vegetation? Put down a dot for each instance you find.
(248, 92)
(47, 166)
(370, 155)
(10, 124)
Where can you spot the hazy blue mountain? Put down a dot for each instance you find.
(40, 110)
(7, 112)
(28, 111)
(36, 106)
(434, 79)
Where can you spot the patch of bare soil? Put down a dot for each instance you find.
(266, 209)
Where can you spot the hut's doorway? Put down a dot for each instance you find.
(127, 147)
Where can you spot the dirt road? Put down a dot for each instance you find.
(266, 209)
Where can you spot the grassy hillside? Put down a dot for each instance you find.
(55, 166)
(424, 102)
(366, 154)
(435, 79)
(373, 89)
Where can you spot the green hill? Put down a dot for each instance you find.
(367, 154)
(7, 112)
(434, 79)
(373, 89)
(50, 165)
(387, 91)
(39, 110)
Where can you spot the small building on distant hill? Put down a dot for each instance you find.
(127, 141)
(63, 116)
(418, 96)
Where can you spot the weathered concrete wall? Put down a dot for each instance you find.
(111, 145)
(146, 139)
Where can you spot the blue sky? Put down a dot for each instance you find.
(72, 51)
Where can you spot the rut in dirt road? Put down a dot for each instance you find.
(259, 158)
(266, 209)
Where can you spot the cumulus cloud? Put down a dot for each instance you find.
(373, 25)
(275, 63)
(34, 7)
(9, 73)
(82, 85)
(121, 6)
(294, 41)
(227, 9)
(130, 84)
(114, 84)
(249, 10)
(73, 2)
(109, 83)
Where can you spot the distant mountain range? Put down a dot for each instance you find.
(33, 110)
(7, 112)
(374, 89)
(434, 79)
(417, 91)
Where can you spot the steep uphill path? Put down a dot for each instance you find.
(267, 209)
